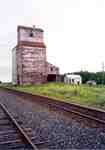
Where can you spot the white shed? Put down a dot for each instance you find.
(72, 79)
(91, 82)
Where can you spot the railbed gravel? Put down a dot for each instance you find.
(58, 131)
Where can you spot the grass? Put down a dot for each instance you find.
(83, 94)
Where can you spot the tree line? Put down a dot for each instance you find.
(99, 77)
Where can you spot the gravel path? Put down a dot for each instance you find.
(60, 131)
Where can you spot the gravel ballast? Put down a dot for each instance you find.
(53, 127)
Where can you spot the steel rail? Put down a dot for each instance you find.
(24, 135)
(78, 113)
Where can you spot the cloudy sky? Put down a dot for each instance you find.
(74, 32)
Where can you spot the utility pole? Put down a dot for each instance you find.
(103, 68)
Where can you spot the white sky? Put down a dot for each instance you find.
(74, 32)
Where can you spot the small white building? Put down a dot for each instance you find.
(91, 82)
(72, 79)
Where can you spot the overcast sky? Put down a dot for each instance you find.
(74, 32)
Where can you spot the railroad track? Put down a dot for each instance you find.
(96, 116)
(86, 112)
(12, 136)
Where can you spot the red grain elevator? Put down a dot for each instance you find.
(29, 61)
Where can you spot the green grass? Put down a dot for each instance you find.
(84, 94)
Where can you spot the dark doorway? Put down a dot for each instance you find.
(51, 78)
(18, 81)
